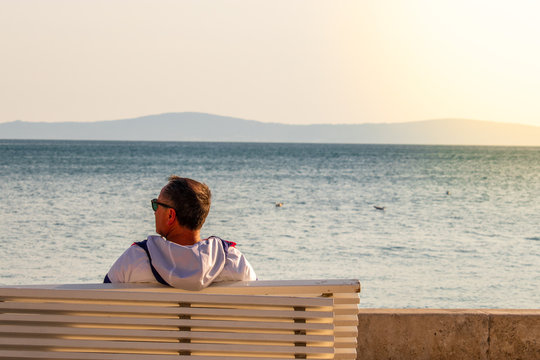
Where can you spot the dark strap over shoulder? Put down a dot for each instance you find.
(158, 277)
(226, 245)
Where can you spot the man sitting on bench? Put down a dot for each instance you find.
(179, 257)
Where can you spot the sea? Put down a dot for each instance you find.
(460, 226)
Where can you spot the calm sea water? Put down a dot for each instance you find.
(70, 208)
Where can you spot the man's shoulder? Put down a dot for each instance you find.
(132, 259)
(223, 241)
(228, 246)
(136, 250)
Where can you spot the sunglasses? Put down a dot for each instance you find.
(156, 203)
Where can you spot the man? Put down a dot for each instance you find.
(179, 257)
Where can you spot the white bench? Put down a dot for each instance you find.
(311, 319)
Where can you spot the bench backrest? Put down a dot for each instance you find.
(267, 320)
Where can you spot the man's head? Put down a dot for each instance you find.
(189, 198)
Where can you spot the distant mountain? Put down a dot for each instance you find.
(207, 127)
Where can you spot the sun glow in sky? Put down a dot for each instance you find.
(301, 61)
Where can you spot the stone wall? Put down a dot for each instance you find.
(403, 334)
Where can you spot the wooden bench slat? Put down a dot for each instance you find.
(278, 287)
(260, 287)
(347, 301)
(32, 307)
(346, 320)
(106, 346)
(346, 342)
(46, 355)
(162, 334)
(346, 331)
(345, 354)
(223, 324)
(141, 296)
(352, 311)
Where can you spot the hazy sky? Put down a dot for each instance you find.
(292, 61)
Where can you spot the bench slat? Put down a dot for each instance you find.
(46, 355)
(346, 342)
(346, 320)
(274, 287)
(346, 331)
(351, 310)
(44, 331)
(7, 293)
(105, 346)
(32, 307)
(222, 324)
(345, 354)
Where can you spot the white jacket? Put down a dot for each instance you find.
(191, 267)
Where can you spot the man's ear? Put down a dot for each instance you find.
(172, 216)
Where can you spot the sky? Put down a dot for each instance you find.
(286, 61)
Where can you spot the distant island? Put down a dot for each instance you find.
(190, 126)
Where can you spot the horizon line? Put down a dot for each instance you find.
(272, 122)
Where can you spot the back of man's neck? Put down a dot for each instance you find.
(185, 237)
